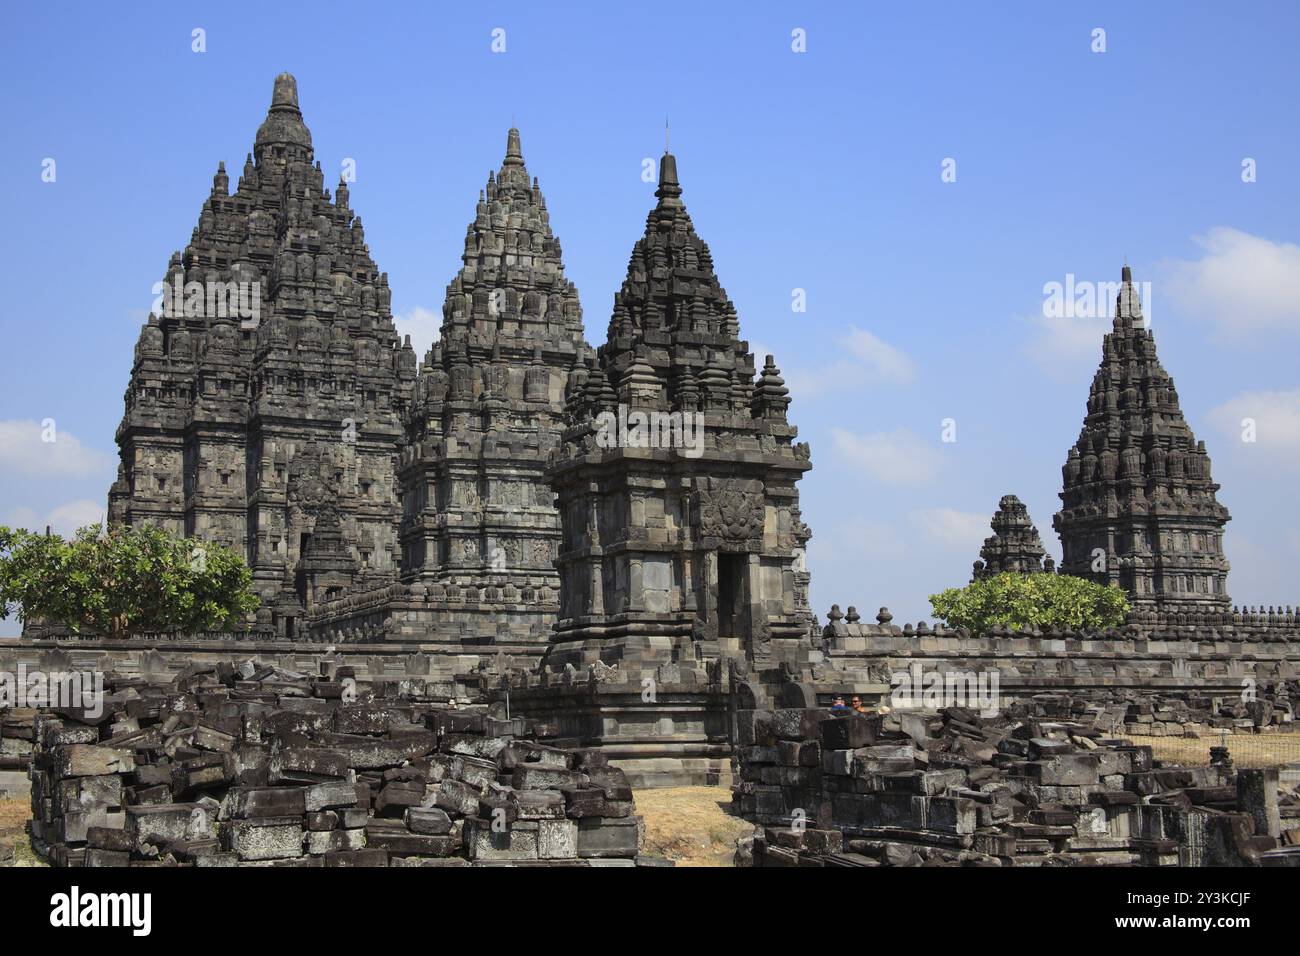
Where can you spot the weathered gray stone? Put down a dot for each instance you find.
(265, 838)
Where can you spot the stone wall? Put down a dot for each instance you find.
(1170, 657)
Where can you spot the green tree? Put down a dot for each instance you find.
(123, 581)
(1026, 601)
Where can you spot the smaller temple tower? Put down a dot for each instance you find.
(1139, 508)
(1014, 545)
(682, 539)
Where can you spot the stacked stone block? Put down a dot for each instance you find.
(248, 765)
(952, 788)
(17, 732)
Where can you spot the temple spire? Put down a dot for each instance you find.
(514, 152)
(285, 93)
(1139, 506)
(283, 136)
(1128, 305)
(1014, 545)
(670, 190)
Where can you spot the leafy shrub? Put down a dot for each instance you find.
(123, 581)
(1026, 601)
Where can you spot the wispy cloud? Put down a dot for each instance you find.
(875, 362)
(879, 361)
(1065, 347)
(1244, 285)
(31, 449)
(900, 457)
(1262, 428)
(421, 325)
(63, 520)
(953, 529)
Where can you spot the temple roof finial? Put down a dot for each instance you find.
(670, 189)
(283, 125)
(285, 93)
(514, 152)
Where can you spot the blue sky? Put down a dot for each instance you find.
(818, 171)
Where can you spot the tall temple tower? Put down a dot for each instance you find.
(479, 530)
(1138, 506)
(244, 422)
(682, 535)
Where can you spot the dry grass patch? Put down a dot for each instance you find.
(691, 826)
(14, 814)
(1248, 750)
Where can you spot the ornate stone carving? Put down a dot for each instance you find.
(730, 512)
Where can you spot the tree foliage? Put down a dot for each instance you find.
(1027, 601)
(123, 581)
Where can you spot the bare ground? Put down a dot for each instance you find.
(691, 826)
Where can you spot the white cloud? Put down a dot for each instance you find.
(421, 325)
(63, 520)
(882, 361)
(899, 457)
(1276, 427)
(1065, 347)
(24, 450)
(953, 529)
(1243, 284)
(853, 538)
(877, 362)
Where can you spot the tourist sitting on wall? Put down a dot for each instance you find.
(839, 708)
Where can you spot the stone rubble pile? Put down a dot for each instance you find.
(1178, 714)
(1271, 711)
(242, 765)
(1031, 788)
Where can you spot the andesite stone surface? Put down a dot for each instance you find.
(1139, 508)
(243, 428)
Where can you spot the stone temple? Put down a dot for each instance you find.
(243, 428)
(1139, 508)
(607, 540)
(1014, 545)
(688, 544)
(479, 532)
(682, 553)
